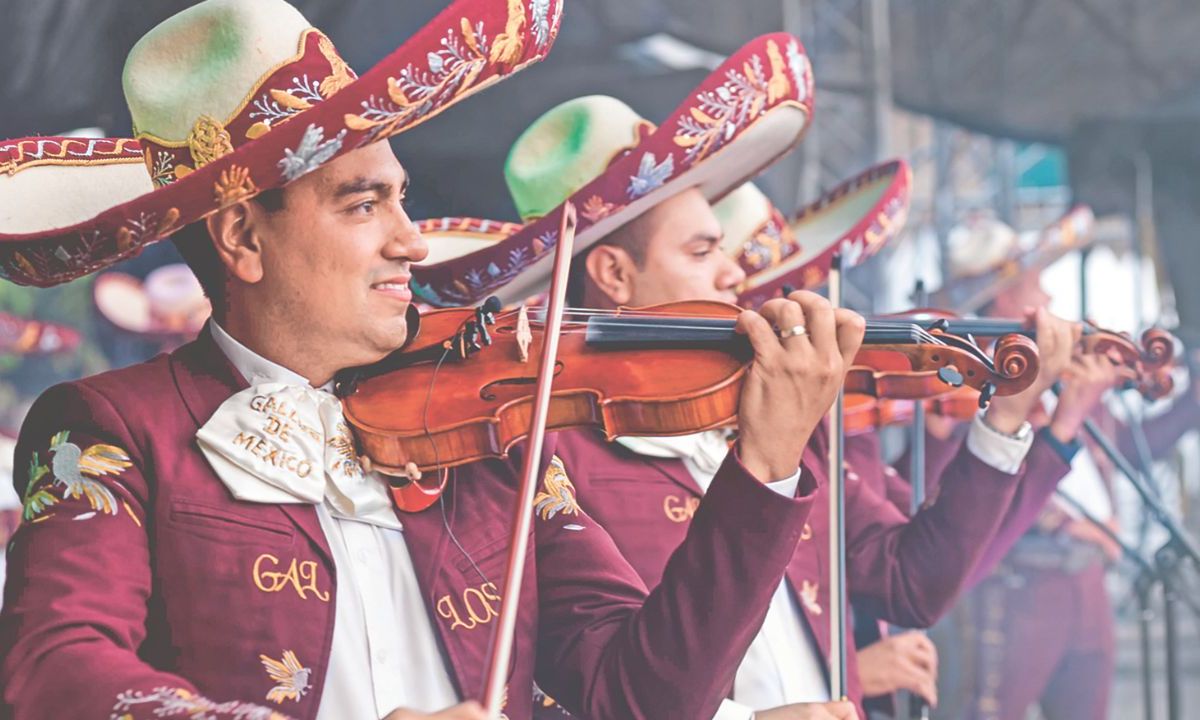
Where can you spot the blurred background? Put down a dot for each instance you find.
(1017, 109)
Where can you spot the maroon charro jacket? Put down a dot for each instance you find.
(139, 588)
(909, 572)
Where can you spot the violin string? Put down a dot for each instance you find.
(437, 462)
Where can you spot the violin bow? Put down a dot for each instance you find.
(917, 707)
(518, 545)
(837, 520)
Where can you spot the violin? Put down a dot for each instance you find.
(865, 413)
(459, 390)
(1149, 359)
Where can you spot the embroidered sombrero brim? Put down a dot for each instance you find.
(969, 293)
(22, 336)
(168, 304)
(749, 112)
(856, 219)
(470, 45)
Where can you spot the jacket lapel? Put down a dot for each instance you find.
(206, 378)
(676, 472)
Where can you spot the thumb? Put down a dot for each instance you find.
(842, 710)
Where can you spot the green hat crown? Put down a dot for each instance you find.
(566, 148)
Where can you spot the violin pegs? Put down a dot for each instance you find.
(950, 375)
(986, 393)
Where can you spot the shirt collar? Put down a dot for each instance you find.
(255, 368)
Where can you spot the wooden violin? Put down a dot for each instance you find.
(459, 390)
(865, 413)
(1149, 359)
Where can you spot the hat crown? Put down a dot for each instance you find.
(206, 61)
(982, 245)
(567, 147)
(756, 234)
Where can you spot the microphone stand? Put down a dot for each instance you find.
(918, 708)
(1143, 585)
(1168, 559)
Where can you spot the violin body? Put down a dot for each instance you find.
(671, 369)
(458, 412)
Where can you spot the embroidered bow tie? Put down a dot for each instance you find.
(279, 443)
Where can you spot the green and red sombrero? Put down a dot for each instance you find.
(233, 97)
(614, 165)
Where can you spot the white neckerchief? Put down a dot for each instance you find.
(283, 441)
(702, 453)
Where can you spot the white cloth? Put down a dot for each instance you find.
(280, 443)
(383, 641)
(1003, 452)
(783, 664)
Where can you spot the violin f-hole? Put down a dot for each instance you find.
(487, 392)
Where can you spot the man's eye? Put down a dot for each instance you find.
(364, 208)
(702, 253)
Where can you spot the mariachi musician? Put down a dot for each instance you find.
(646, 491)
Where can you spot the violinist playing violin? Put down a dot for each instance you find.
(200, 537)
(1042, 625)
(649, 492)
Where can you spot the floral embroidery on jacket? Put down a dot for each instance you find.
(77, 472)
(177, 702)
(558, 495)
(290, 677)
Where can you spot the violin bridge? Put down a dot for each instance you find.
(524, 333)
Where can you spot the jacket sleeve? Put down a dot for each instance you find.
(909, 571)
(607, 651)
(1044, 467)
(79, 574)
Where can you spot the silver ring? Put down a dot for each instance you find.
(794, 331)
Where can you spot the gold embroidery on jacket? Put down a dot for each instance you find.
(301, 575)
(475, 607)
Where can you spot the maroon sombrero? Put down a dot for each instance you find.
(22, 336)
(233, 97)
(856, 219)
(613, 165)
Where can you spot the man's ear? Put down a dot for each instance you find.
(232, 230)
(611, 270)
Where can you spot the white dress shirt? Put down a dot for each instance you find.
(385, 653)
(784, 665)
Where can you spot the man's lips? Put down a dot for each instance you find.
(396, 287)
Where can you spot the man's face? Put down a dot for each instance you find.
(1027, 292)
(336, 258)
(683, 259)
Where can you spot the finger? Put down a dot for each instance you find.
(927, 689)
(760, 333)
(818, 317)
(842, 710)
(850, 330)
(791, 322)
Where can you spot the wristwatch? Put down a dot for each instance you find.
(1023, 433)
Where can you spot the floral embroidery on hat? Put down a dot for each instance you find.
(732, 105)
(290, 677)
(650, 175)
(558, 495)
(312, 152)
(178, 702)
(77, 472)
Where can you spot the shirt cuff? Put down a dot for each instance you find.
(1066, 451)
(731, 710)
(1002, 452)
(786, 487)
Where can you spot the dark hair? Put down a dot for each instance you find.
(630, 237)
(196, 247)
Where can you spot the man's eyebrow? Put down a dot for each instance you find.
(363, 185)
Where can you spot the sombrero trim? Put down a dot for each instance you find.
(1070, 232)
(25, 153)
(413, 84)
(869, 233)
(733, 99)
(469, 226)
(22, 336)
